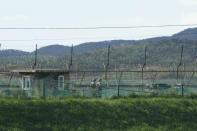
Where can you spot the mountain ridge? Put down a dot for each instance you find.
(61, 50)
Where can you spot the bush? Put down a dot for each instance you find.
(99, 114)
(193, 95)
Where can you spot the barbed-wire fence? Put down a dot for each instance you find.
(112, 80)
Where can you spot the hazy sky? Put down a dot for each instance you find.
(89, 13)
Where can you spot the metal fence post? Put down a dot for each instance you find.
(44, 93)
(71, 58)
(108, 62)
(81, 83)
(119, 84)
(180, 63)
(182, 86)
(143, 66)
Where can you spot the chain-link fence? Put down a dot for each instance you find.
(104, 85)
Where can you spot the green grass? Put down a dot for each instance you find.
(146, 114)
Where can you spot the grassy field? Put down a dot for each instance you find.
(146, 114)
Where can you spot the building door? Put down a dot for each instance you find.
(61, 82)
(26, 85)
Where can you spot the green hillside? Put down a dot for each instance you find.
(159, 53)
(164, 52)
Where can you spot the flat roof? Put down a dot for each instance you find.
(40, 71)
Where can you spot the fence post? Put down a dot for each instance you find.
(71, 58)
(118, 90)
(108, 62)
(44, 93)
(182, 86)
(81, 83)
(143, 66)
(180, 63)
(119, 84)
(142, 79)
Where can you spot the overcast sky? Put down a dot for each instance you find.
(89, 13)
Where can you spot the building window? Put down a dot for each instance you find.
(61, 81)
(26, 83)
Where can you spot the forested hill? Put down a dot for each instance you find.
(11, 52)
(61, 50)
(54, 50)
(159, 53)
(190, 33)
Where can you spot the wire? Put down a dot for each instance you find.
(93, 28)
(62, 39)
